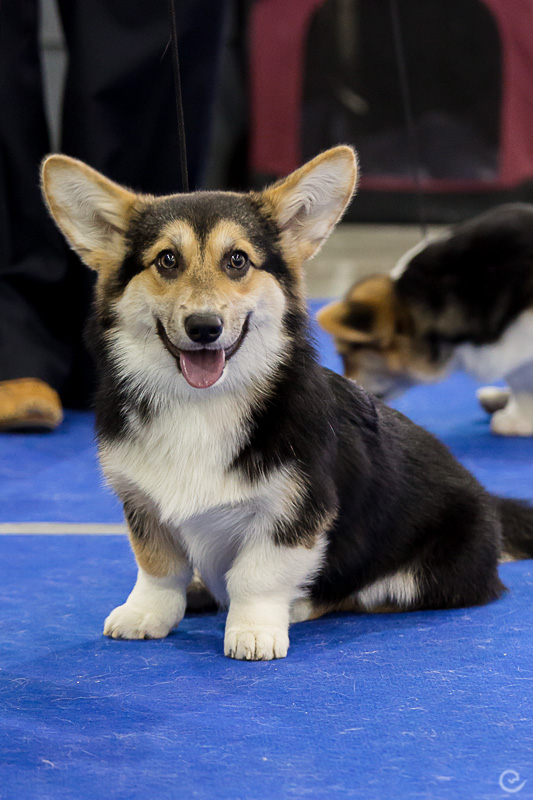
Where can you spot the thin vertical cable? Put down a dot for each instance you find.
(178, 96)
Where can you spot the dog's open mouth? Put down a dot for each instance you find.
(202, 368)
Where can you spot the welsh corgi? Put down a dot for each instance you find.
(463, 301)
(290, 489)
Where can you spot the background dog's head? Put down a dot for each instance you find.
(195, 289)
(377, 338)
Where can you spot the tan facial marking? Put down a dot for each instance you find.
(227, 236)
(201, 273)
(176, 236)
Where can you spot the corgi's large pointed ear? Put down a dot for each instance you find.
(369, 314)
(338, 319)
(309, 203)
(90, 210)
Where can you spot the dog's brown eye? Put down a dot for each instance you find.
(238, 260)
(166, 260)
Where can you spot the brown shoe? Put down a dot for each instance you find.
(29, 404)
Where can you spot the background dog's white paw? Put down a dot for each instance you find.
(129, 622)
(509, 422)
(256, 644)
(493, 398)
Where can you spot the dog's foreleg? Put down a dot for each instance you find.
(157, 602)
(516, 419)
(262, 583)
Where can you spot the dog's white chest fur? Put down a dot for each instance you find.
(180, 462)
(180, 459)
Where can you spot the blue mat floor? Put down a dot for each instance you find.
(430, 705)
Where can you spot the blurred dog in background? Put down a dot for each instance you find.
(462, 301)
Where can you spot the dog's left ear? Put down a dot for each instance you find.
(91, 211)
(308, 204)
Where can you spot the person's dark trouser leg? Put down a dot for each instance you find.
(119, 112)
(35, 339)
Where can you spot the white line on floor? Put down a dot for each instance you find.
(60, 528)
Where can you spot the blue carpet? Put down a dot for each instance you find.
(432, 705)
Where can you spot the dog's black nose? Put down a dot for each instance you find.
(203, 328)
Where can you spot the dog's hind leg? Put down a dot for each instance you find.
(157, 602)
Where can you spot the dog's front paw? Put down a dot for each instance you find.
(256, 644)
(130, 622)
(509, 422)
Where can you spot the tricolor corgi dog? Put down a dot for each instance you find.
(463, 301)
(290, 489)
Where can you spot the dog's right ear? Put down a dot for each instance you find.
(90, 210)
(337, 318)
(370, 313)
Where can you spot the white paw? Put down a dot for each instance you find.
(493, 398)
(509, 422)
(256, 644)
(130, 622)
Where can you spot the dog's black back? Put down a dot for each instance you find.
(483, 270)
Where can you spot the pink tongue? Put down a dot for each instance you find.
(202, 368)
